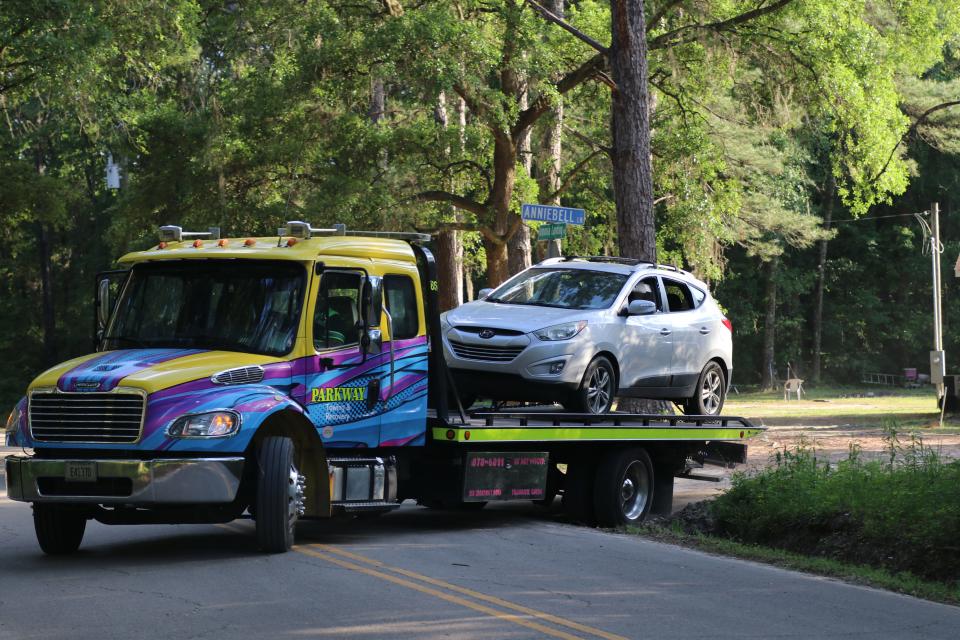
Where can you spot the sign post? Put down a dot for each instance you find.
(558, 219)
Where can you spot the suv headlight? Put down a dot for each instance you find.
(213, 424)
(563, 331)
(13, 421)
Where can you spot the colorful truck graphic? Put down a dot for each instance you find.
(300, 376)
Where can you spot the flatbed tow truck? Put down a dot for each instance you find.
(301, 376)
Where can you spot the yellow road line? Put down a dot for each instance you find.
(506, 604)
(509, 617)
(326, 552)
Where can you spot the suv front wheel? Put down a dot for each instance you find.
(597, 389)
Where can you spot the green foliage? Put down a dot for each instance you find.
(901, 512)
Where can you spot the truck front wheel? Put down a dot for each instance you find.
(59, 528)
(623, 490)
(279, 494)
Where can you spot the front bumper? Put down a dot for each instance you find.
(128, 482)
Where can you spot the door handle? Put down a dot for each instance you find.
(705, 330)
(665, 331)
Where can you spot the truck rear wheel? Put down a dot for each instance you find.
(59, 528)
(279, 494)
(623, 489)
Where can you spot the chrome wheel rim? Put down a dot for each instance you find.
(634, 490)
(711, 392)
(599, 390)
(296, 484)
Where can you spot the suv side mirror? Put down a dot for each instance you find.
(483, 293)
(371, 308)
(641, 308)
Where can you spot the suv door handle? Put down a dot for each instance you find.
(665, 332)
(705, 330)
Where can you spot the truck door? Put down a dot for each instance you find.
(341, 387)
(404, 385)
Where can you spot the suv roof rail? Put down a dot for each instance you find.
(630, 262)
(173, 233)
(304, 231)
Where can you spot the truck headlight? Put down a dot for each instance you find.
(213, 424)
(563, 331)
(13, 421)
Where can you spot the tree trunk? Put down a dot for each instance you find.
(504, 178)
(551, 156)
(768, 378)
(519, 254)
(450, 269)
(630, 126)
(449, 248)
(48, 316)
(821, 275)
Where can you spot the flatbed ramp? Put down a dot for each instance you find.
(548, 426)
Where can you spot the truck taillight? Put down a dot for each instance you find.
(729, 325)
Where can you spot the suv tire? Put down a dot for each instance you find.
(710, 392)
(597, 389)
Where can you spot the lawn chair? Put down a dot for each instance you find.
(791, 386)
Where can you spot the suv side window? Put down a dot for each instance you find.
(336, 317)
(647, 289)
(678, 296)
(401, 298)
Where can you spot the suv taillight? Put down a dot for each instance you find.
(729, 325)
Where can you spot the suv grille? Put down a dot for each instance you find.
(485, 353)
(86, 417)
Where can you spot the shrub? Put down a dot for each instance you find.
(900, 512)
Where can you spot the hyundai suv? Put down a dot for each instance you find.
(581, 331)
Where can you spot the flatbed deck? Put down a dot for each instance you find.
(548, 426)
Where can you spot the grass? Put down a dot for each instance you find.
(900, 582)
(915, 408)
(892, 523)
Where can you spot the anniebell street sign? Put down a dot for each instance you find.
(548, 213)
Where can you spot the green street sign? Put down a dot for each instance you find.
(554, 231)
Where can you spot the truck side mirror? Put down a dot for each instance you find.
(103, 303)
(371, 309)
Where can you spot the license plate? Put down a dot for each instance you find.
(80, 472)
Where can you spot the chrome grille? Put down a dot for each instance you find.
(485, 352)
(240, 375)
(86, 417)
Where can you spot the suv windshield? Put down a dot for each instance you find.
(563, 288)
(231, 305)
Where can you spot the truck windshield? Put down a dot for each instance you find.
(563, 288)
(232, 305)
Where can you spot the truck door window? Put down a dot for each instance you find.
(336, 315)
(401, 298)
(678, 296)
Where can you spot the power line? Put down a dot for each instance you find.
(895, 215)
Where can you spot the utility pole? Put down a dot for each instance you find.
(937, 362)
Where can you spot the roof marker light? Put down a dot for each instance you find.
(291, 242)
(162, 245)
(197, 244)
(222, 242)
(249, 242)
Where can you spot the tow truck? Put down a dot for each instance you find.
(302, 376)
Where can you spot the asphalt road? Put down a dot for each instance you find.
(506, 572)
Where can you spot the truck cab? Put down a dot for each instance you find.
(216, 348)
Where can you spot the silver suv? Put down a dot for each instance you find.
(580, 331)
